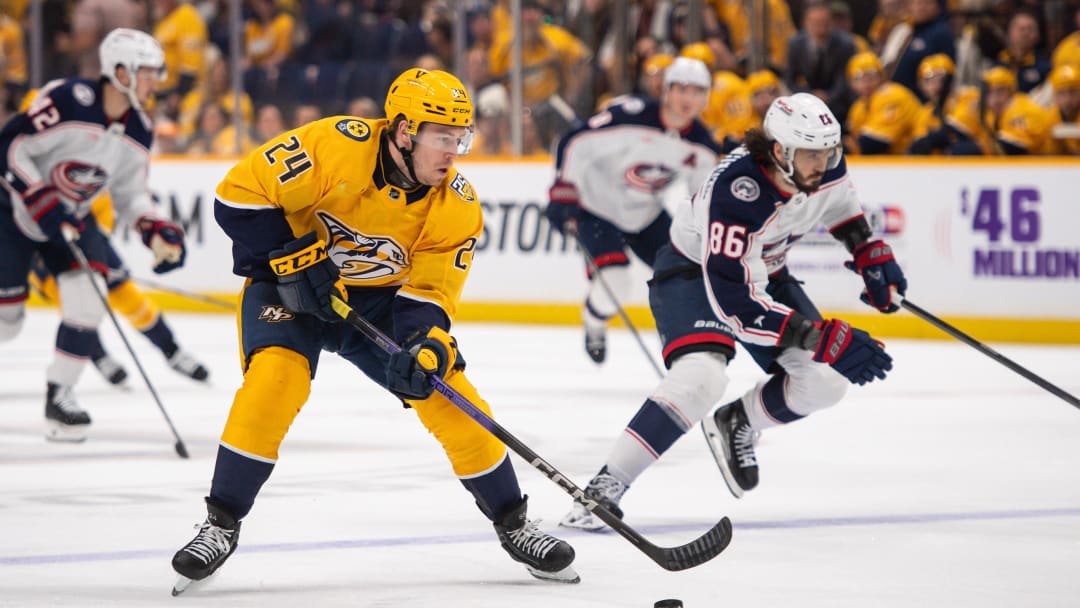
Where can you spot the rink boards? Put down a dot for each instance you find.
(990, 244)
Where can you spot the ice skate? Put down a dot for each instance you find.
(64, 419)
(596, 343)
(110, 369)
(731, 440)
(545, 557)
(604, 489)
(188, 366)
(214, 543)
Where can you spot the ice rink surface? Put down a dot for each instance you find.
(954, 483)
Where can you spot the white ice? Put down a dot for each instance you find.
(954, 483)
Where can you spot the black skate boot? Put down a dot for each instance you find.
(544, 556)
(731, 440)
(604, 489)
(596, 343)
(66, 421)
(187, 365)
(110, 368)
(214, 543)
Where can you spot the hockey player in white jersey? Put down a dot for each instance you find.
(613, 175)
(77, 139)
(724, 278)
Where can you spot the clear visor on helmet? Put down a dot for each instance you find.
(830, 155)
(457, 140)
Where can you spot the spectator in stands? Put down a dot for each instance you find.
(268, 36)
(781, 28)
(210, 123)
(440, 40)
(1001, 120)
(882, 119)
(931, 136)
(1065, 129)
(364, 107)
(817, 56)
(555, 65)
(167, 139)
(746, 112)
(492, 124)
(269, 123)
(430, 62)
(930, 34)
(1029, 64)
(889, 15)
(91, 20)
(715, 36)
(728, 107)
(182, 33)
(305, 113)
(651, 82)
(477, 70)
(1068, 50)
(13, 75)
(215, 88)
(841, 22)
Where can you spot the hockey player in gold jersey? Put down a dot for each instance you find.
(372, 212)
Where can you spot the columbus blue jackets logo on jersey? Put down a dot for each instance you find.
(354, 129)
(648, 178)
(77, 181)
(359, 256)
(745, 189)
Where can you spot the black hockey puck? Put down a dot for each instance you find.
(668, 604)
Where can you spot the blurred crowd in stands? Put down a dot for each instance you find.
(904, 76)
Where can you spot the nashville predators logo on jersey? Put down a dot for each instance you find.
(359, 256)
(464, 189)
(354, 129)
(274, 314)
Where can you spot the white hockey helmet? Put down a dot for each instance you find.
(133, 50)
(803, 121)
(686, 70)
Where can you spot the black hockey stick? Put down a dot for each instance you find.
(692, 554)
(80, 257)
(989, 352)
(198, 297)
(595, 271)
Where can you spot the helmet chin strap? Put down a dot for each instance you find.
(397, 177)
(786, 166)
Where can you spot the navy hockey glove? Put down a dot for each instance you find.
(50, 212)
(850, 351)
(166, 240)
(563, 208)
(874, 261)
(307, 277)
(431, 352)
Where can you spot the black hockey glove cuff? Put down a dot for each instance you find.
(307, 278)
(430, 352)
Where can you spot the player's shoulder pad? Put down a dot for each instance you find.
(631, 111)
(456, 183)
(344, 145)
(76, 99)
(741, 191)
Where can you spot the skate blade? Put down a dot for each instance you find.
(716, 446)
(588, 523)
(181, 584)
(567, 575)
(64, 433)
